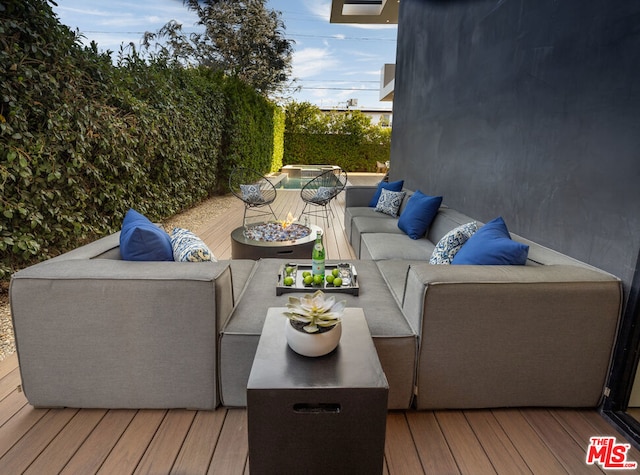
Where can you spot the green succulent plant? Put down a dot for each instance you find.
(316, 311)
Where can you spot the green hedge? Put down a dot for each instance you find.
(278, 139)
(249, 131)
(82, 140)
(351, 153)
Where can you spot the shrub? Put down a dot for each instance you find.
(84, 140)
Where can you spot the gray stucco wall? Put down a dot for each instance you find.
(528, 109)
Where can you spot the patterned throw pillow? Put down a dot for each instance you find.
(451, 243)
(387, 185)
(187, 247)
(389, 202)
(251, 193)
(323, 194)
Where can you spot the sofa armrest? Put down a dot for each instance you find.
(119, 334)
(512, 335)
(422, 276)
(359, 195)
(107, 246)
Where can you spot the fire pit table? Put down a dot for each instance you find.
(272, 240)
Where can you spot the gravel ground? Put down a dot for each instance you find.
(191, 219)
(7, 345)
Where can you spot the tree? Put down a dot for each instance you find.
(304, 117)
(242, 38)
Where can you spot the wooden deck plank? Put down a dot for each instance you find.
(56, 455)
(10, 405)
(465, 446)
(568, 452)
(16, 427)
(9, 383)
(531, 448)
(400, 452)
(163, 450)
(431, 445)
(10, 363)
(197, 450)
(497, 445)
(96, 448)
(232, 451)
(29, 447)
(130, 448)
(217, 234)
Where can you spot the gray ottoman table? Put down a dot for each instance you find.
(317, 415)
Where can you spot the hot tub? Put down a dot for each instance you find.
(307, 171)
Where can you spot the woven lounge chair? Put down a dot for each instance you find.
(255, 190)
(318, 193)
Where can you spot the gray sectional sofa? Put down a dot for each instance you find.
(541, 334)
(95, 331)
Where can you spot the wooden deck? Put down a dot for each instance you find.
(71, 441)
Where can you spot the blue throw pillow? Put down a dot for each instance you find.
(392, 186)
(492, 245)
(141, 240)
(418, 214)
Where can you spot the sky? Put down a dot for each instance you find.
(331, 62)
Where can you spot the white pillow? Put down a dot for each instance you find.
(451, 243)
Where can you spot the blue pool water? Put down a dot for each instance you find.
(293, 183)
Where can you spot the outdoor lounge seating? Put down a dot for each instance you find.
(540, 334)
(95, 331)
(255, 190)
(319, 193)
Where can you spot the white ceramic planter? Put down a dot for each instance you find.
(312, 344)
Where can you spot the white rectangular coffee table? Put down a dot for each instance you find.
(317, 415)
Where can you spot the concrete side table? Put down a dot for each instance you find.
(317, 415)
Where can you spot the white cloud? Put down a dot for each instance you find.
(320, 9)
(82, 11)
(372, 26)
(123, 21)
(309, 62)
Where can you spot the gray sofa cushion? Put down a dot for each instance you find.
(371, 224)
(356, 205)
(241, 270)
(447, 219)
(378, 246)
(395, 340)
(364, 211)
